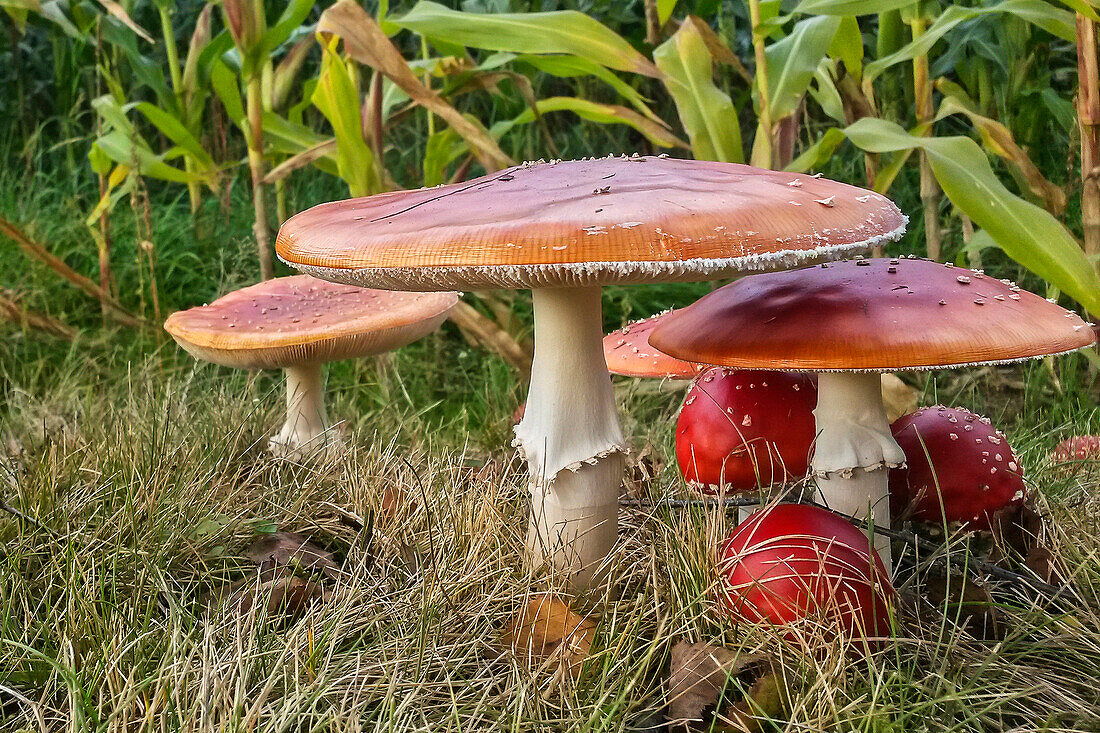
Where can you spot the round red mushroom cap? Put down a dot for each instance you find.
(743, 429)
(794, 562)
(1076, 453)
(955, 457)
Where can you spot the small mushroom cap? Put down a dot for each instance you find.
(958, 468)
(588, 222)
(869, 315)
(629, 354)
(292, 321)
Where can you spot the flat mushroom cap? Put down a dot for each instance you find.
(629, 354)
(588, 222)
(870, 315)
(293, 321)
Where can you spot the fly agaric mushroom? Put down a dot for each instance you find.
(742, 430)
(850, 320)
(1076, 453)
(958, 468)
(629, 354)
(791, 562)
(297, 324)
(564, 229)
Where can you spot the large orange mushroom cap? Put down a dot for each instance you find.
(588, 222)
(291, 321)
(870, 315)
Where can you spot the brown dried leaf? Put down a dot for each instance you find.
(765, 701)
(899, 398)
(547, 630)
(644, 465)
(287, 595)
(291, 549)
(1015, 529)
(365, 42)
(967, 603)
(699, 674)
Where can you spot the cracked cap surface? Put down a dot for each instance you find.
(588, 222)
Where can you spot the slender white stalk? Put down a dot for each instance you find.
(571, 437)
(307, 430)
(855, 449)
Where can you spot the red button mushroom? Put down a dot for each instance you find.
(1076, 453)
(794, 563)
(954, 458)
(743, 430)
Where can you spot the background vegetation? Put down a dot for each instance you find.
(148, 151)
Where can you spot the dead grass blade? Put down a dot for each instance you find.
(12, 308)
(40, 253)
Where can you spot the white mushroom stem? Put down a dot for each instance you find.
(855, 449)
(307, 429)
(571, 437)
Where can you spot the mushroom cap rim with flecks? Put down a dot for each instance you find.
(870, 315)
(588, 222)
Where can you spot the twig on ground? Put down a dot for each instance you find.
(4, 506)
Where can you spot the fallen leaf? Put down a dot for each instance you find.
(966, 603)
(643, 467)
(546, 629)
(1044, 564)
(290, 549)
(699, 675)
(765, 701)
(287, 595)
(899, 398)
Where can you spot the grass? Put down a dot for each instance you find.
(150, 470)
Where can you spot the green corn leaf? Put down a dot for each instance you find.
(849, 7)
(135, 152)
(442, 149)
(337, 97)
(1024, 231)
(664, 10)
(175, 131)
(561, 31)
(847, 46)
(817, 154)
(604, 114)
(793, 61)
(1042, 14)
(228, 90)
(573, 66)
(291, 20)
(706, 112)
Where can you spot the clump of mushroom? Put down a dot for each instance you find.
(808, 571)
(741, 430)
(565, 229)
(1077, 453)
(847, 321)
(297, 324)
(958, 468)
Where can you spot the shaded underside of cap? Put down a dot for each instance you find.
(870, 315)
(629, 354)
(588, 222)
(302, 320)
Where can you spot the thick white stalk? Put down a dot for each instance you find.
(307, 430)
(855, 449)
(571, 437)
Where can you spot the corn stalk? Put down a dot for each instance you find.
(762, 148)
(1088, 119)
(929, 189)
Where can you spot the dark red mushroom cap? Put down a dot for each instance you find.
(629, 354)
(792, 561)
(869, 315)
(956, 458)
(745, 429)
